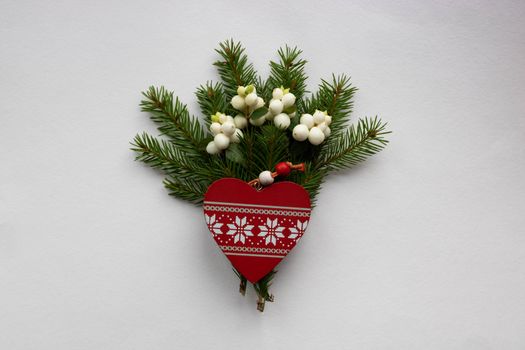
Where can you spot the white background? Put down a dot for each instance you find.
(421, 247)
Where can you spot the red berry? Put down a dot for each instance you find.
(283, 169)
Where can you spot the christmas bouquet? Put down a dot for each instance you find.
(257, 159)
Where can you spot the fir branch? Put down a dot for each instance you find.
(212, 98)
(311, 180)
(271, 144)
(242, 282)
(174, 120)
(262, 289)
(264, 89)
(289, 71)
(191, 191)
(335, 98)
(247, 147)
(163, 155)
(220, 167)
(234, 68)
(354, 145)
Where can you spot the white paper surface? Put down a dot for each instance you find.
(421, 247)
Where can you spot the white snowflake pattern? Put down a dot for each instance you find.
(271, 231)
(298, 229)
(240, 230)
(213, 225)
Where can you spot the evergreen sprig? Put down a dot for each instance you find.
(262, 288)
(311, 179)
(272, 147)
(212, 99)
(186, 178)
(181, 152)
(174, 120)
(191, 191)
(335, 97)
(354, 145)
(233, 67)
(167, 157)
(289, 71)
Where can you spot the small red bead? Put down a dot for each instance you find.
(283, 169)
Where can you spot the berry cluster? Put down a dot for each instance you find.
(281, 107)
(247, 101)
(314, 127)
(225, 130)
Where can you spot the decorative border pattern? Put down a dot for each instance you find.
(230, 209)
(228, 248)
(256, 205)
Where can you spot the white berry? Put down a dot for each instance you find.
(277, 93)
(241, 91)
(257, 122)
(300, 132)
(211, 148)
(316, 136)
(318, 117)
(221, 141)
(265, 178)
(276, 107)
(251, 99)
(229, 118)
(228, 128)
(292, 115)
(327, 132)
(260, 103)
(328, 120)
(240, 121)
(223, 118)
(249, 89)
(322, 126)
(238, 102)
(282, 121)
(237, 136)
(308, 120)
(215, 128)
(269, 115)
(288, 100)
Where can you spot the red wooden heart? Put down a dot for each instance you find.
(256, 229)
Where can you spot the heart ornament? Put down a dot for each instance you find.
(256, 229)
